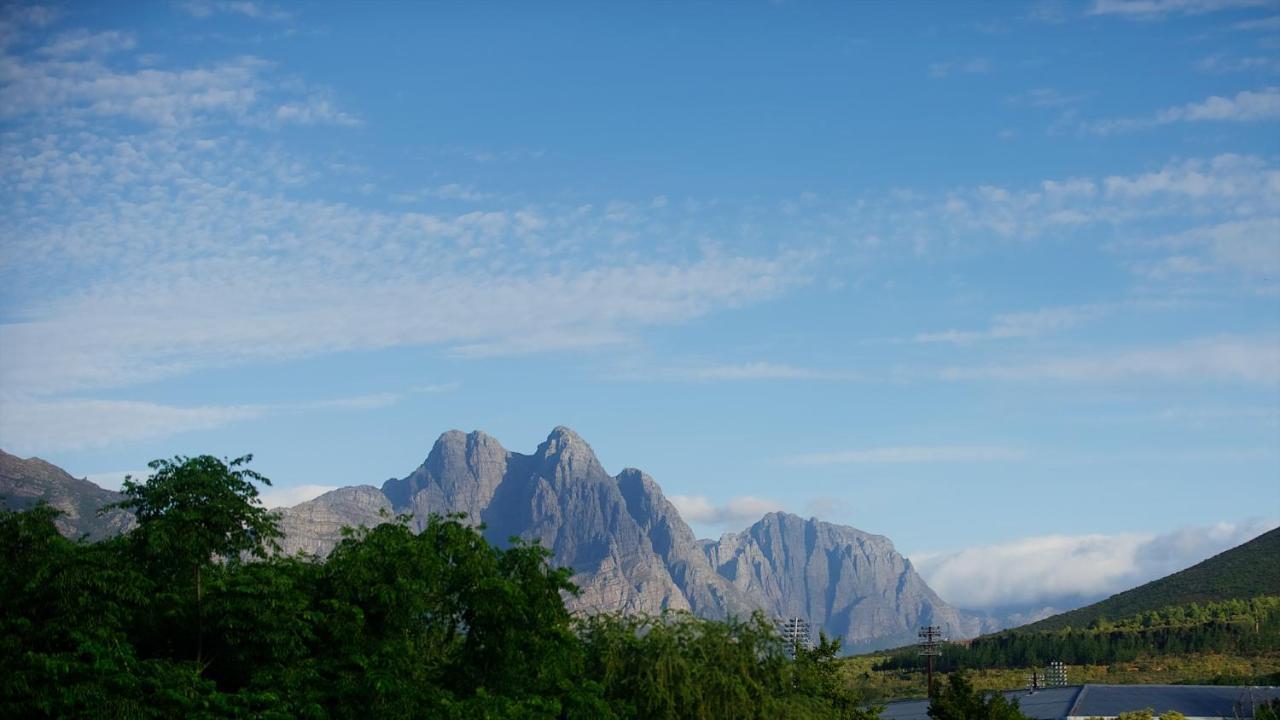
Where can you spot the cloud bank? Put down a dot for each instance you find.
(1068, 570)
(731, 515)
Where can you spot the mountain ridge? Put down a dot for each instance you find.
(630, 549)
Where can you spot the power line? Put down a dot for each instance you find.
(930, 647)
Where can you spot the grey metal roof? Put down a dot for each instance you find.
(1111, 700)
(1190, 700)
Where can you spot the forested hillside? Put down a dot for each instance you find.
(1237, 627)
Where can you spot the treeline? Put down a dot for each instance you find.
(1245, 627)
(192, 615)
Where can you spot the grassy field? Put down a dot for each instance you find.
(1185, 669)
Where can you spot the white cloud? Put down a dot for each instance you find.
(1240, 180)
(1150, 9)
(1047, 98)
(1267, 23)
(1248, 247)
(255, 10)
(1058, 570)
(372, 401)
(1016, 326)
(28, 426)
(436, 388)
(975, 66)
(743, 371)
(1221, 63)
(284, 497)
(115, 480)
(1240, 360)
(130, 332)
(233, 271)
(1244, 106)
(735, 513)
(83, 42)
(314, 110)
(1230, 185)
(912, 454)
(63, 89)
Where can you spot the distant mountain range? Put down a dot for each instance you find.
(630, 549)
(1247, 571)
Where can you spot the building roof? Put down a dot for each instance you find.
(1087, 701)
(1197, 701)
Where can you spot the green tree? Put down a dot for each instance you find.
(818, 675)
(958, 700)
(193, 513)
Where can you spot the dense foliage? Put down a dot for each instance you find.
(1247, 571)
(193, 616)
(1237, 626)
(958, 700)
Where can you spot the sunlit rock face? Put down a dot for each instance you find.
(315, 526)
(632, 552)
(853, 585)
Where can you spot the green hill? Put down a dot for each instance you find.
(1247, 571)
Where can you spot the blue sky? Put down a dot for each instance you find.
(1001, 282)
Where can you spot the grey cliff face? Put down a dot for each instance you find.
(25, 483)
(561, 496)
(315, 527)
(853, 585)
(460, 475)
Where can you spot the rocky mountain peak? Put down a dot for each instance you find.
(565, 454)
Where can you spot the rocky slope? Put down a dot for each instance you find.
(632, 551)
(852, 584)
(627, 544)
(24, 483)
(315, 526)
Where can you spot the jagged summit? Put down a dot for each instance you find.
(782, 517)
(569, 454)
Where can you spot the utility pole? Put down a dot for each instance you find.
(930, 640)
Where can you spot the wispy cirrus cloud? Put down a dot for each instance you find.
(84, 42)
(1249, 360)
(1156, 9)
(246, 8)
(758, 370)
(972, 66)
(1017, 325)
(34, 424)
(1262, 24)
(1246, 247)
(1222, 63)
(912, 454)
